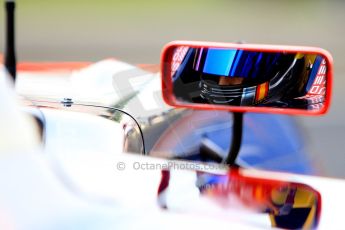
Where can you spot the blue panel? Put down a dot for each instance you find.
(238, 57)
(314, 71)
(270, 142)
(219, 61)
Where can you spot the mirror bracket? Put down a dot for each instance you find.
(10, 54)
(236, 138)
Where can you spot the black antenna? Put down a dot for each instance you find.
(10, 53)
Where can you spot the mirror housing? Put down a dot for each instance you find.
(290, 205)
(247, 77)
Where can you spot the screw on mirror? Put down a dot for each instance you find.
(10, 54)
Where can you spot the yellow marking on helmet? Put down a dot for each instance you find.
(309, 223)
(261, 91)
(273, 221)
(279, 197)
(304, 199)
(299, 55)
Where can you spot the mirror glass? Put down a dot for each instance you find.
(289, 205)
(244, 77)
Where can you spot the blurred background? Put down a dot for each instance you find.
(136, 30)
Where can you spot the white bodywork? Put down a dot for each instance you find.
(75, 190)
(67, 131)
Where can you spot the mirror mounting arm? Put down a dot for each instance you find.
(236, 138)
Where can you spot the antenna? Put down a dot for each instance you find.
(10, 53)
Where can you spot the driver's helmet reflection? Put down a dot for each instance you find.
(289, 205)
(238, 77)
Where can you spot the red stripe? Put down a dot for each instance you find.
(51, 66)
(257, 93)
(266, 89)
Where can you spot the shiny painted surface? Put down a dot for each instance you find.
(262, 132)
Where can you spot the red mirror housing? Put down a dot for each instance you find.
(247, 77)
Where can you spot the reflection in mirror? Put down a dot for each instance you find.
(239, 77)
(287, 204)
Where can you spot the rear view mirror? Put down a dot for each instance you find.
(289, 205)
(276, 203)
(242, 77)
